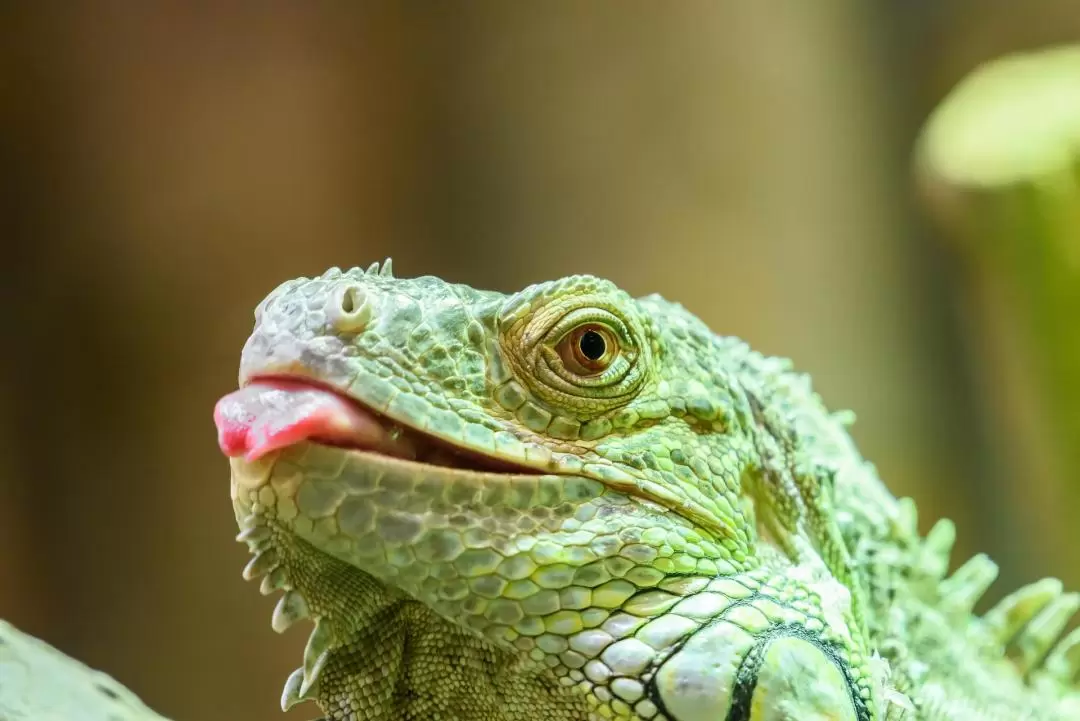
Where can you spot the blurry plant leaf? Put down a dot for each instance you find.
(1014, 119)
(999, 161)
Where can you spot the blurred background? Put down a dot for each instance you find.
(164, 167)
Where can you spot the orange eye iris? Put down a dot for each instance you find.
(588, 350)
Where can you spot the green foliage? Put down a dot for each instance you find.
(1000, 159)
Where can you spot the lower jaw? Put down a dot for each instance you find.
(317, 566)
(357, 661)
(351, 611)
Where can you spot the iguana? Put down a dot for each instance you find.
(567, 504)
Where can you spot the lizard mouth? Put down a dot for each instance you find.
(273, 412)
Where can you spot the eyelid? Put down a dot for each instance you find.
(595, 316)
(533, 323)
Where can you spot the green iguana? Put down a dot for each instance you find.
(567, 504)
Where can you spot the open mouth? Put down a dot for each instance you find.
(274, 411)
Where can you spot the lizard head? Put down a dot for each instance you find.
(554, 475)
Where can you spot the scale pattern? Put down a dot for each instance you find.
(692, 536)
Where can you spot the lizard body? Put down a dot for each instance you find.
(567, 503)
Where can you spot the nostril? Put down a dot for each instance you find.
(349, 309)
(351, 299)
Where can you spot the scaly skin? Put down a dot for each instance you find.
(681, 530)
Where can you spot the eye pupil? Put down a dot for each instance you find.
(592, 345)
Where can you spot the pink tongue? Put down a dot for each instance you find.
(268, 415)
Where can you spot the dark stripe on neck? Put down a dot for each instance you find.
(746, 678)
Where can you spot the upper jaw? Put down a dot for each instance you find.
(321, 360)
(373, 429)
(323, 363)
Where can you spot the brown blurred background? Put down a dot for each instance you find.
(164, 165)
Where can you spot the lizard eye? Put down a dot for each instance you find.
(588, 349)
(579, 345)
